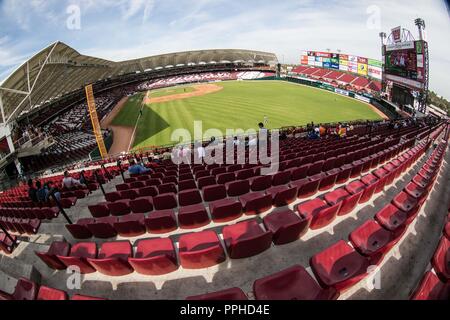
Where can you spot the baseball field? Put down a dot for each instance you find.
(230, 105)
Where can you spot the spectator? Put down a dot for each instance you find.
(322, 130)
(32, 191)
(42, 192)
(201, 152)
(137, 168)
(262, 129)
(51, 189)
(69, 182)
(83, 179)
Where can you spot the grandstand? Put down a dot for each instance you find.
(362, 213)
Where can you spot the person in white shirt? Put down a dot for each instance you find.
(201, 152)
(69, 182)
(266, 120)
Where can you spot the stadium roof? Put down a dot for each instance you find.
(59, 69)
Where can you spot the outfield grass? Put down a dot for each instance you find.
(170, 91)
(128, 115)
(242, 105)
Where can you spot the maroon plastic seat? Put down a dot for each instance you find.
(369, 179)
(294, 283)
(67, 203)
(255, 203)
(260, 183)
(50, 258)
(281, 178)
(225, 210)
(186, 185)
(154, 257)
(80, 230)
(112, 259)
(217, 171)
(113, 196)
(153, 182)
(25, 290)
(225, 177)
(233, 294)
(132, 225)
(282, 195)
(372, 240)
(83, 297)
(214, 192)
(344, 174)
(123, 187)
(391, 218)
(246, 239)
(415, 191)
(339, 266)
(421, 181)
(380, 173)
(103, 228)
(315, 168)
(319, 212)
(300, 172)
(244, 174)
(329, 164)
(200, 250)
(189, 197)
(286, 226)
(151, 191)
(194, 216)
(431, 288)
(447, 230)
(78, 257)
(119, 208)
(441, 260)
(305, 187)
(136, 185)
(99, 210)
(349, 201)
(50, 294)
(206, 181)
(141, 205)
(161, 221)
(237, 188)
(129, 194)
(327, 181)
(7, 244)
(165, 201)
(167, 188)
(405, 202)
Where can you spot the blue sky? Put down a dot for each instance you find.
(126, 29)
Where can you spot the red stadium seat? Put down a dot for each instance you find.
(141, 205)
(415, 191)
(50, 258)
(405, 202)
(255, 203)
(282, 195)
(281, 178)
(225, 210)
(189, 197)
(167, 188)
(349, 202)
(200, 250)
(165, 201)
(225, 177)
(214, 192)
(154, 257)
(25, 290)
(431, 288)
(226, 295)
(293, 283)
(151, 191)
(103, 228)
(112, 259)
(238, 188)
(441, 259)
(391, 218)
(78, 257)
(191, 217)
(161, 221)
(319, 212)
(82, 297)
(50, 294)
(132, 225)
(99, 210)
(206, 181)
(246, 239)
(339, 266)
(286, 226)
(305, 187)
(80, 230)
(261, 183)
(119, 208)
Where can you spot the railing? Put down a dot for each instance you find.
(34, 140)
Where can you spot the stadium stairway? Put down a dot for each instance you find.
(184, 283)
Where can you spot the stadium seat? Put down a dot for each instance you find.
(431, 288)
(80, 230)
(391, 218)
(189, 197)
(79, 254)
(305, 187)
(50, 294)
(441, 260)
(112, 259)
(415, 191)
(260, 183)
(141, 205)
(319, 212)
(286, 226)
(281, 178)
(154, 257)
(186, 185)
(339, 266)
(165, 201)
(372, 240)
(405, 202)
(294, 283)
(132, 225)
(349, 202)
(237, 188)
(214, 192)
(161, 221)
(255, 203)
(103, 228)
(225, 177)
(206, 181)
(282, 195)
(246, 239)
(225, 210)
(119, 208)
(151, 191)
(226, 295)
(200, 250)
(25, 290)
(129, 194)
(99, 210)
(192, 217)
(167, 188)
(300, 172)
(113, 197)
(50, 258)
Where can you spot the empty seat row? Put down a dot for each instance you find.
(21, 226)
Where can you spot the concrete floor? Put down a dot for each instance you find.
(400, 271)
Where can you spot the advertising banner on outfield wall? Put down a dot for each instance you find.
(342, 92)
(327, 65)
(343, 68)
(343, 57)
(353, 59)
(343, 63)
(362, 69)
(375, 72)
(375, 63)
(353, 67)
(365, 99)
(362, 60)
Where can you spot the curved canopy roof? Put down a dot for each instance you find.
(59, 69)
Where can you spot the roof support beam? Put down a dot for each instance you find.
(1, 107)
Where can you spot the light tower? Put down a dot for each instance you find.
(420, 23)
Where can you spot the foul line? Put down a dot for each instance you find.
(137, 122)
